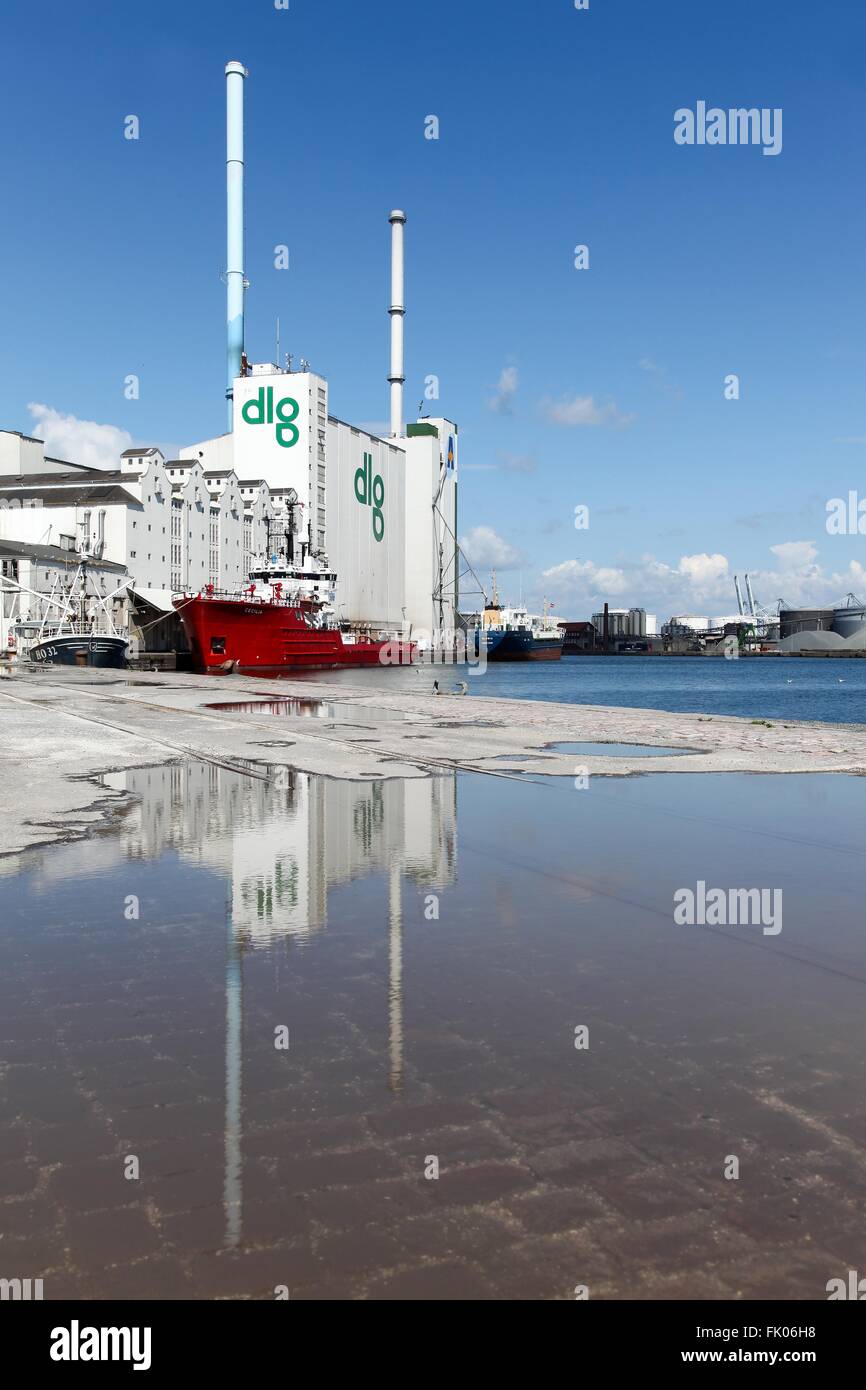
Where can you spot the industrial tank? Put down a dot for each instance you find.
(793, 620)
(848, 620)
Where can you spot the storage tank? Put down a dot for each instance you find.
(793, 620)
(849, 619)
(692, 622)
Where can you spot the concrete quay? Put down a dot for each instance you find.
(61, 727)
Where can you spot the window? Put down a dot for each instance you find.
(218, 646)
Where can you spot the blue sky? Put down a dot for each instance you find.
(556, 128)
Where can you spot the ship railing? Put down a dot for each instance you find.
(288, 598)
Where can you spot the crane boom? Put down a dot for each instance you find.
(739, 595)
(751, 597)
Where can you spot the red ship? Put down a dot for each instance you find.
(279, 622)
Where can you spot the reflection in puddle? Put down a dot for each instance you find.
(432, 1013)
(303, 708)
(616, 750)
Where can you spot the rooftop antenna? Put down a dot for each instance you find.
(278, 341)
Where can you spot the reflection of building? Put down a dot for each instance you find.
(285, 841)
(282, 839)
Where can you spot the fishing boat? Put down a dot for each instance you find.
(74, 626)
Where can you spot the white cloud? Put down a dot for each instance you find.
(702, 583)
(484, 549)
(795, 555)
(502, 400)
(581, 410)
(79, 441)
(705, 573)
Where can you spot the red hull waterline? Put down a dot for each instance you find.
(253, 635)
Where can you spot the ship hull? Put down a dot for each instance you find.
(517, 645)
(106, 652)
(263, 638)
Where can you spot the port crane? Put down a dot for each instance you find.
(761, 617)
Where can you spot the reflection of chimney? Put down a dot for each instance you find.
(233, 1133)
(395, 976)
(397, 312)
(235, 74)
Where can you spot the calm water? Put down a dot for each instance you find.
(754, 688)
(427, 949)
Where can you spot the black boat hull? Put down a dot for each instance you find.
(81, 651)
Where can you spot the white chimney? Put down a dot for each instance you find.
(397, 312)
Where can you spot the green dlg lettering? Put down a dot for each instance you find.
(378, 503)
(285, 423)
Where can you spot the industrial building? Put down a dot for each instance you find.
(166, 525)
(287, 474)
(824, 631)
(380, 512)
(625, 622)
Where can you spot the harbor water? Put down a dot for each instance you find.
(833, 691)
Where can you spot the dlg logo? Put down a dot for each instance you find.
(260, 410)
(370, 492)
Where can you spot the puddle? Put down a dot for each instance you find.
(617, 750)
(303, 708)
(424, 951)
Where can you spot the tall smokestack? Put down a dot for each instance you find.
(235, 74)
(397, 311)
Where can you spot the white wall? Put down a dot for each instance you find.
(370, 572)
(429, 477)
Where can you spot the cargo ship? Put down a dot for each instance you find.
(513, 634)
(281, 621)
